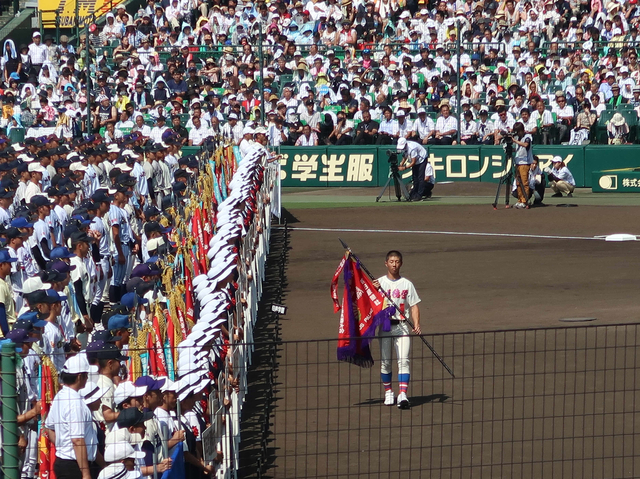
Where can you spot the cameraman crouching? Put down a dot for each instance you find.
(522, 157)
(560, 178)
(416, 156)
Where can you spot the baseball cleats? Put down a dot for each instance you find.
(389, 398)
(403, 401)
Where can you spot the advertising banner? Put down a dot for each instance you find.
(598, 158)
(369, 165)
(67, 10)
(626, 180)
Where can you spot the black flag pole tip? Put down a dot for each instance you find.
(344, 245)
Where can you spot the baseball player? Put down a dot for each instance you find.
(404, 294)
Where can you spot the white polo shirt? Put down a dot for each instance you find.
(197, 135)
(415, 150)
(70, 418)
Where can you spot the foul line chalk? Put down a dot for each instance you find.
(454, 233)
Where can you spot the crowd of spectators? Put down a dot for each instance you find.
(335, 72)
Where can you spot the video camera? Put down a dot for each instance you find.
(393, 160)
(506, 141)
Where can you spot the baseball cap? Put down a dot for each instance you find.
(150, 383)
(140, 286)
(119, 451)
(145, 269)
(39, 200)
(131, 416)
(128, 299)
(30, 317)
(37, 167)
(60, 267)
(151, 211)
(92, 392)
(556, 159)
(78, 364)
(34, 284)
(127, 390)
(119, 321)
(41, 297)
(111, 351)
(21, 222)
(19, 336)
(5, 257)
(81, 236)
(61, 252)
(117, 471)
(104, 336)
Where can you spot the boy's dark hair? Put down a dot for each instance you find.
(68, 379)
(395, 253)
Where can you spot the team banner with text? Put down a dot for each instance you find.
(369, 165)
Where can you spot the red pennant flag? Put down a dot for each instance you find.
(361, 313)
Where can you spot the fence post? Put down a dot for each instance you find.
(9, 418)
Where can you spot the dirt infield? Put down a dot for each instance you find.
(559, 403)
(469, 283)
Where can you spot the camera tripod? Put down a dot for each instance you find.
(394, 175)
(507, 180)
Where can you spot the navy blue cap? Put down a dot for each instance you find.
(5, 257)
(142, 270)
(83, 219)
(151, 211)
(111, 351)
(20, 336)
(101, 197)
(39, 200)
(131, 416)
(93, 348)
(55, 296)
(105, 336)
(150, 383)
(6, 192)
(23, 324)
(61, 267)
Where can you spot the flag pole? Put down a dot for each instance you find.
(393, 303)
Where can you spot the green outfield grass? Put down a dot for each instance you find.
(449, 194)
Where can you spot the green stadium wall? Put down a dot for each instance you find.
(368, 165)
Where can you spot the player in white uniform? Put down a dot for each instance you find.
(404, 295)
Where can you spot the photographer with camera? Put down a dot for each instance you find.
(560, 178)
(416, 156)
(522, 158)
